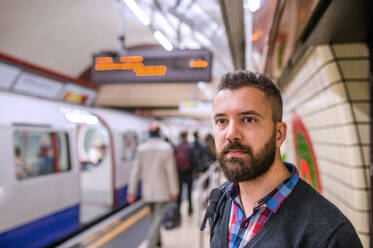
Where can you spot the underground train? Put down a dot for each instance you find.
(62, 166)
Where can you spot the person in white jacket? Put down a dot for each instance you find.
(155, 166)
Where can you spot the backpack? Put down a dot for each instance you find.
(182, 157)
(215, 210)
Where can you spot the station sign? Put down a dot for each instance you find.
(153, 65)
(35, 85)
(76, 94)
(8, 75)
(195, 107)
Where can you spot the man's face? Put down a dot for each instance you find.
(245, 134)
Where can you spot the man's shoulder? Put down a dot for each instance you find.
(311, 204)
(311, 218)
(308, 195)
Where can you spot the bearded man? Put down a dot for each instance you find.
(265, 204)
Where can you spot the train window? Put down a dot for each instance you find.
(95, 148)
(129, 146)
(40, 153)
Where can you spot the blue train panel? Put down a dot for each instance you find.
(42, 232)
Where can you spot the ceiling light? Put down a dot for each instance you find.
(79, 116)
(202, 39)
(163, 40)
(253, 5)
(137, 11)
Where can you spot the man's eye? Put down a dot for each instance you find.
(248, 119)
(220, 121)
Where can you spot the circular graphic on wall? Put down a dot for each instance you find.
(305, 156)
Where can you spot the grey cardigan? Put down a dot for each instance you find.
(305, 219)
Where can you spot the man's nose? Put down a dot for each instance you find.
(234, 132)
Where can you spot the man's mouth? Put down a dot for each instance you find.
(236, 153)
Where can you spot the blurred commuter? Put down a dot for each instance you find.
(45, 163)
(22, 171)
(197, 154)
(185, 170)
(209, 156)
(96, 152)
(265, 204)
(169, 141)
(209, 152)
(155, 166)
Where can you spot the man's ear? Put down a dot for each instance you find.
(281, 129)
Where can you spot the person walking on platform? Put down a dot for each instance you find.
(155, 165)
(197, 156)
(209, 152)
(265, 203)
(185, 170)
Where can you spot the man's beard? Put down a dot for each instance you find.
(239, 169)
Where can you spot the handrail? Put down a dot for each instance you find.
(209, 180)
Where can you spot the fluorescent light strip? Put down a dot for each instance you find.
(163, 40)
(137, 11)
(202, 39)
(253, 5)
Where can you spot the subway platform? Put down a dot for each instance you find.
(128, 229)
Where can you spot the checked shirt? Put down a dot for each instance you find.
(242, 230)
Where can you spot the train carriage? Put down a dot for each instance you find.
(63, 165)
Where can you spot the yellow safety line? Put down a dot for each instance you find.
(129, 222)
(99, 232)
(90, 238)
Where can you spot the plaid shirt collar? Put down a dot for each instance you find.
(276, 197)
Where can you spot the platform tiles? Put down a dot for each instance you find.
(130, 231)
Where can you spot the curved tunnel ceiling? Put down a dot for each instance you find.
(63, 35)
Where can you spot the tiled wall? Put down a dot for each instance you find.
(329, 90)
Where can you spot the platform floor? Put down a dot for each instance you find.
(130, 232)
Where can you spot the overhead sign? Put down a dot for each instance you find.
(8, 75)
(76, 94)
(32, 84)
(195, 107)
(153, 66)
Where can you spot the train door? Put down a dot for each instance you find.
(96, 161)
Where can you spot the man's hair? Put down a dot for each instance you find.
(183, 135)
(196, 135)
(238, 79)
(154, 130)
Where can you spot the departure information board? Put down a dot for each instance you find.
(152, 66)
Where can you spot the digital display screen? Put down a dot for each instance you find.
(152, 66)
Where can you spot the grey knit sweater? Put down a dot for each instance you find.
(306, 219)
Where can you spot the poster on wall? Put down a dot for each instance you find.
(306, 161)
